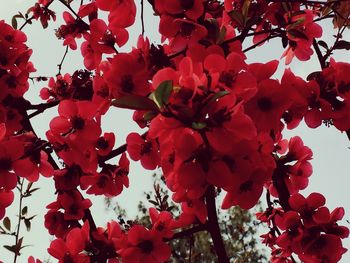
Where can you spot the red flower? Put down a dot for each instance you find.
(32, 260)
(100, 41)
(301, 33)
(191, 9)
(162, 222)
(56, 224)
(226, 119)
(72, 248)
(110, 181)
(144, 246)
(325, 248)
(6, 199)
(31, 167)
(127, 75)
(42, 12)
(145, 150)
(73, 204)
(71, 30)
(105, 144)
(122, 13)
(245, 191)
(10, 152)
(76, 121)
(268, 105)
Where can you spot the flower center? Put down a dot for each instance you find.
(5, 164)
(246, 186)
(146, 246)
(127, 83)
(265, 104)
(78, 123)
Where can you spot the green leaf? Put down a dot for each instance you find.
(28, 224)
(342, 44)
(323, 44)
(245, 8)
(296, 23)
(219, 95)
(163, 92)
(7, 223)
(19, 243)
(24, 210)
(222, 35)
(135, 102)
(149, 115)
(199, 125)
(12, 248)
(14, 22)
(297, 34)
(237, 17)
(153, 202)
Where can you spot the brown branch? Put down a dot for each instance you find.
(114, 153)
(61, 63)
(40, 108)
(20, 189)
(260, 42)
(213, 226)
(279, 183)
(142, 20)
(29, 20)
(187, 232)
(320, 57)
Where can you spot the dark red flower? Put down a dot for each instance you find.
(144, 246)
(145, 150)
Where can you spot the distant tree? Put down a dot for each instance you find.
(238, 228)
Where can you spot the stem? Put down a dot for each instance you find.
(19, 219)
(280, 185)
(61, 63)
(320, 57)
(339, 35)
(32, 17)
(40, 108)
(114, 153)
(187, 232)
(142, 21)
(213, 226)
(72, 10)
(260, 42)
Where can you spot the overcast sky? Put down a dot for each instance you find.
(331, 161)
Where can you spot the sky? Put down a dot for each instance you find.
(331, 159)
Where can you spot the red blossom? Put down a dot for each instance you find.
(145, 150)
(144, 246)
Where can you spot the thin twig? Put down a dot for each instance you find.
(187, 232)
(40, 108)
(19, 220)
(260, 42)
(142, 20)
(114, 153)
(61, 63)
(29, 20)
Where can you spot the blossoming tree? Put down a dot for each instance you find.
(213, 123)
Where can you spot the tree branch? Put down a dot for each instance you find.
(278, 182)
(319, 54)
(213, 226)
(61, 63)
(187, 232)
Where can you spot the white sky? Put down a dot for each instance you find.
(331, 161)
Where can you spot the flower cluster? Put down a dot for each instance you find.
(213, 122)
